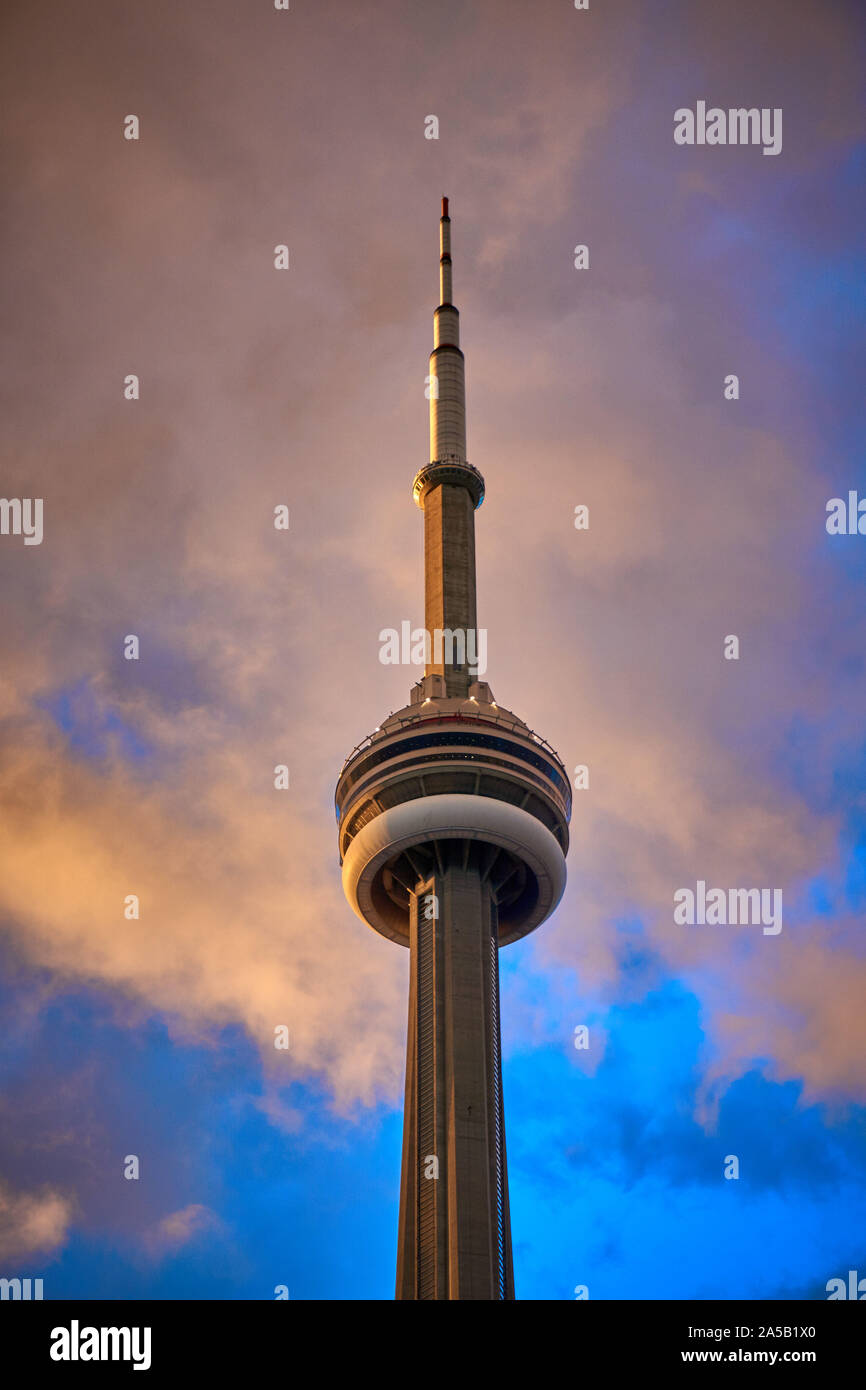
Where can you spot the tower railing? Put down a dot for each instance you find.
(474, 716)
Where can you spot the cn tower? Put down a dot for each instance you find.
(453, 831)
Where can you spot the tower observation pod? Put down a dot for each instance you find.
(453, 831)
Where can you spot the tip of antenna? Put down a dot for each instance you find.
(444, 207)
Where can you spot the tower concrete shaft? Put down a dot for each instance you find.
(455, 1231)
(449, 582)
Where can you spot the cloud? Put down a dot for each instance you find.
(32, 1223)
(260, 647)
(237, 921)
(180, 1228)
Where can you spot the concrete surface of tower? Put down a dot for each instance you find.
(453, 830)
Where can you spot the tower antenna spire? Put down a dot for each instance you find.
(447, 387)
(448, 488)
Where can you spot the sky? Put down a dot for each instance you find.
(600, 387)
